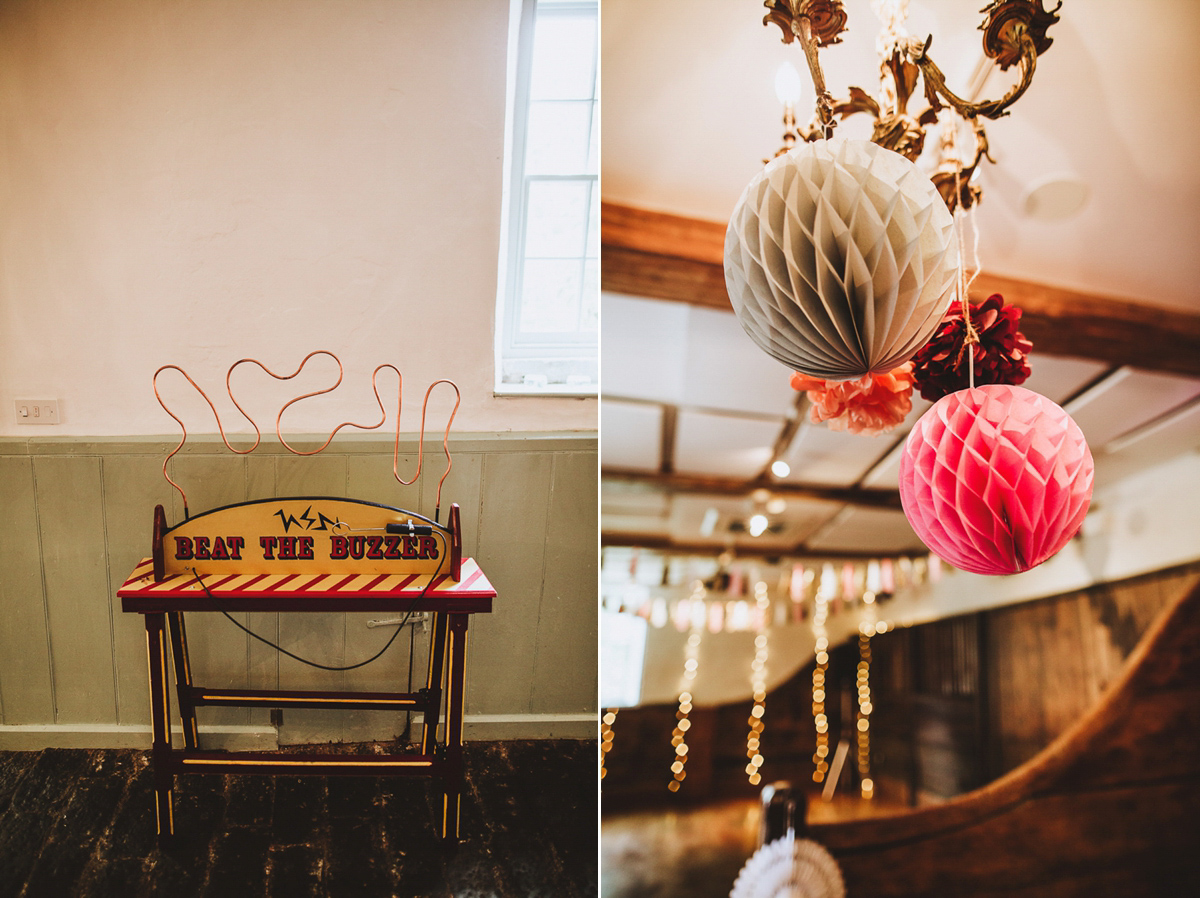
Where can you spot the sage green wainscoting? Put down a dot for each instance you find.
(77, 518)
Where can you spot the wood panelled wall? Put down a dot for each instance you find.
(1111, 807)
(1049, 661)
(929, 730)
(958, 702)
(77, 517)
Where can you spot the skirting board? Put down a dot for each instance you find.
(34, 737)
(478, 727)
(501, 727)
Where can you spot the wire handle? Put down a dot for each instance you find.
(279, 418)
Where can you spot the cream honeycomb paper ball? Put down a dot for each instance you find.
(840, 259)
(790, 868)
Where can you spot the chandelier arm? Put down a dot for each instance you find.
(935, 81)
(802, 27)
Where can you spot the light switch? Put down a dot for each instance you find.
(36, 411)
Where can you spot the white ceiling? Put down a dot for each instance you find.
(689, 115)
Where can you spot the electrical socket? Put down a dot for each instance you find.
(36, 411)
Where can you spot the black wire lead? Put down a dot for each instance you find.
(279, 648)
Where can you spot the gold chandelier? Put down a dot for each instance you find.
(1014, 33)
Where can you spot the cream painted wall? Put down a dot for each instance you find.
(194, 181)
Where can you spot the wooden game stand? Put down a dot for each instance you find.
(162, 600)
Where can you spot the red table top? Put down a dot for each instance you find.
(471, 594)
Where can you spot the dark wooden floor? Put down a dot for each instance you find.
(79, 823)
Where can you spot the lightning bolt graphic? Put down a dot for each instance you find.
(325, 522)
(307, 518)
(288, 520)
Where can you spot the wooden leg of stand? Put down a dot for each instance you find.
(437, 660)
(453, 775)
(183, 679)
(160, 723)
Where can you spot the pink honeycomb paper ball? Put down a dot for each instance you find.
(996, 479)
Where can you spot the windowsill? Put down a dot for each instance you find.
(557, 391)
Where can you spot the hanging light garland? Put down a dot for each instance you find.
(606, 737)
(682, 723)
(863, 722)
(758, 680)
(678, 740)
(805, 591)
(869, 626)
(724, 611)
(820, 719)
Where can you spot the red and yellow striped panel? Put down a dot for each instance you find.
(472, 584)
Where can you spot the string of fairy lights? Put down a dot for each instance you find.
(682, 724)
(863, 717)
(606, 737)
(679, 741)
(758, 680)
(869, 625)
(815, 593)
(737, 608)
(820, 668)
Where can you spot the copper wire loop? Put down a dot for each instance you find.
(279, 418)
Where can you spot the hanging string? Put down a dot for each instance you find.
(971, 336)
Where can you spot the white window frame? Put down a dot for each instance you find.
(561, 364)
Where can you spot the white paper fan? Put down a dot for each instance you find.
(840, 259)
(790, 868)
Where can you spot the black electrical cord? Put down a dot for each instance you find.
(403, 621)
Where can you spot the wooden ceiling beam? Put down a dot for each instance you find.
(663, 256)
(864, 497)
(787, 433)
(666, 452)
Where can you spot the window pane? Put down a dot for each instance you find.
(556, 219)
(550, 296)
(548, 303)
(558, 137)
(564, 56)
(593, 241)
(589, 318)
(594, 149)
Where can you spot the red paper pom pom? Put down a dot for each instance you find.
(940, 366)
(871, 404)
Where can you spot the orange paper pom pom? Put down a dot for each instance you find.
(871, 404)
